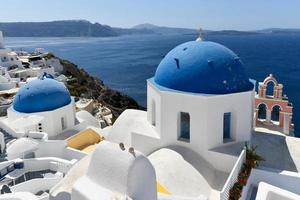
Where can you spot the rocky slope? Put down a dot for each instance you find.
(81, 84)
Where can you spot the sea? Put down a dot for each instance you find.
(126, 62)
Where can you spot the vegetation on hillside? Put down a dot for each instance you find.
(81, 84)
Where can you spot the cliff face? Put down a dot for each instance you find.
(82, 84)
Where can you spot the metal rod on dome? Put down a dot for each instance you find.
(200, 36)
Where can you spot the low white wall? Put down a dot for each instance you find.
(10, 131)
(55, 164)
(7, 86)
(269, 192)
(38, 135)
(233, 176)
(70, 153)
(51, 120)
(20, 196)
(220, 161)
(5, 164)
(36, 185)
(51, 148)
(144, 143)
(283, 179)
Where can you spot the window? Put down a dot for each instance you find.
(226, 125)
(275, 113)
(63, 123)
(262, 111)
(184, 126)
(270, 88)
(153, 117)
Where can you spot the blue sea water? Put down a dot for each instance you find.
(124, 63)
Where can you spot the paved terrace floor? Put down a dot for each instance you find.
(280, 152)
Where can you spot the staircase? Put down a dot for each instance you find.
(7, 138)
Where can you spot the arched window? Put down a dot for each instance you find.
(184, 126)
(262, 111)
(270, 88)
(275, 113)
(153, 115)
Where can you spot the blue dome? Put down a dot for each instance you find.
(41, 95)
(202, 67)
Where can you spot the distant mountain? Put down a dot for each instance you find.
(231, 32)
(68, 28)
(279, 30)
(165, 30)
(83, 28)
(171, 30)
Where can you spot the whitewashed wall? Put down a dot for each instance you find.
(283, 179)
(206, 120)
(51, 123)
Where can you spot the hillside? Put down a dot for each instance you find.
(83, 84)
(280, 30)
(69, 28)
(165, 30)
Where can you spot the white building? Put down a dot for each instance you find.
(42, 105)
(6, 82)
(8, 58)
(199, 102)
(200, 98)
(33, 65)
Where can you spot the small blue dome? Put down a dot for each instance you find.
(202, 67)
(44, 94)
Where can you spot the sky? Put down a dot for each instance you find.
(207, 14)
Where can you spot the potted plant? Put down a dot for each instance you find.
(252, 158)
(235, 192)
(242, 178)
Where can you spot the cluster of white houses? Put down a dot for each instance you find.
(188, 145)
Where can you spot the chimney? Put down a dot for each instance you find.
(1, 41)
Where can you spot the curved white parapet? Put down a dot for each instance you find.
(20, 147)
(18, 196)
(63, 189)
(36, 185)
(37, 135)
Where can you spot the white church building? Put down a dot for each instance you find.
(49, 105)
(199, 98)
(43, 105)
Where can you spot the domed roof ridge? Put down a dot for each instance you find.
(202, 67)
(40, 95)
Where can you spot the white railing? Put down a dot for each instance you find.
(233, 176)
(36, 185)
